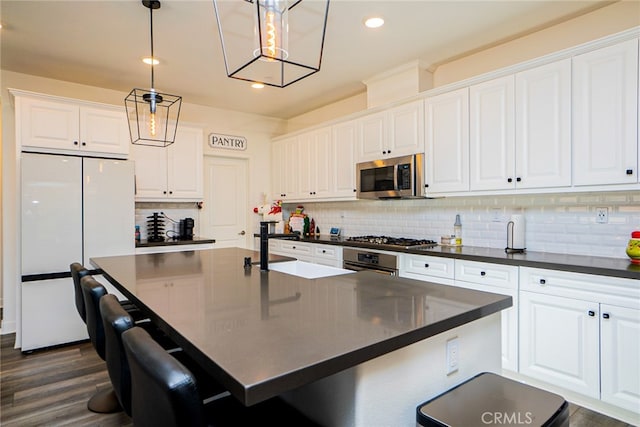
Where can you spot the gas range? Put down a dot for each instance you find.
(393, 242)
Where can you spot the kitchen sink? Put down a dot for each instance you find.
(307, 270)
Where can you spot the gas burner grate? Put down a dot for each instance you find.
(393, 241)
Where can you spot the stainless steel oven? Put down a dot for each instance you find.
(360, 259)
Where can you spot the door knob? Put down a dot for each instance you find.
(242, 233)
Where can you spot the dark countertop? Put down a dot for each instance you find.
(616, 267)
(171, 242)
(263, 333)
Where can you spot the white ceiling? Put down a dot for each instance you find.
(101, 43)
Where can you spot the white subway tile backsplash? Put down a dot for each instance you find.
(563, 223)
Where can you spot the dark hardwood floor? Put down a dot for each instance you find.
(51, 388)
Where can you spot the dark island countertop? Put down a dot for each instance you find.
(615, 267)
(263, 333)
(174, 242)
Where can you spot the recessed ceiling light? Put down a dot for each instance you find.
(147, 60)
(257, 85)
(374, 22)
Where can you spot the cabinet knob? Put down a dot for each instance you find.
(170, 192)
(518, 179)
(426, 186)
(324, 251)
(84, 143)
(75, 142)
(426, 265)
(355, 191)
(509, 180)
(629, 171)
(164, 192)
(384, 152)
(543, 281)
(483, 273)
(293, 247)
(605, 315)
(388, 151)
(591, 313)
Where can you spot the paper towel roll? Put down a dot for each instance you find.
(515, 232)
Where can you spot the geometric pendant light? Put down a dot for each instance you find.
(273, 42)
(153, 116)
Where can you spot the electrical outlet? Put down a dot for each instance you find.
(496, 214)
(602, 215)
(452, 355)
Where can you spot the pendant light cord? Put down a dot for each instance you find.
(153, 58)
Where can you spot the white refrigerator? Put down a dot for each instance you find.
(73, 209)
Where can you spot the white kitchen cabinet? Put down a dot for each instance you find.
(284, 169)
(500, 279)
(559, 341)
(314, 164)
(173, 248)
(620, 356)
(447, 142)
(394, 132)
(581, 332)
(316, 253)
(330, 255)
(343, 160)
(520, 130)
(605, 115)
(543, 126)
(173, 172)
(492, 134)
(59, 126)
(427, 268)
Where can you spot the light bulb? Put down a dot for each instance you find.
(273, 27)
(152, 124)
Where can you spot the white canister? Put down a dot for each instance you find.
(515, 233)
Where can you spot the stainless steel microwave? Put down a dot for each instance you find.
(394, 178)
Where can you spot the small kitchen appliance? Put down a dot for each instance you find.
(186, 229)
(515, 234)
(155, 227)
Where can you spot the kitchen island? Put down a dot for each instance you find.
(354, 349)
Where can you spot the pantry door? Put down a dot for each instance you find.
(225, 209)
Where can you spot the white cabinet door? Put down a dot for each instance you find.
(543, 126)
(605, 115)
(59, 126)
(47, 124)
(559, 342)
(284, 164)
(406, 129)
(184, 164)
(313, 165)
(372, 137)
(427, 268)
(343, 159)
(323, 168)
(104, 130)
(492, 135)
(151, 171)
(620, 353)
(173, 172)
(447, 142)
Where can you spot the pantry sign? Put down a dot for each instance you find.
(228, 142)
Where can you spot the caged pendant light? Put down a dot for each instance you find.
(273, 42)
(153, 116)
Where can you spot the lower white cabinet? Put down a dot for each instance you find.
(427, 268)
(582, 332)
(500, 279)
(317, 253)
(173, 248)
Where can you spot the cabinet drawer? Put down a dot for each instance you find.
(499, 275)
(428, 266)
(296, 248)
(327, 252)
(605, 289)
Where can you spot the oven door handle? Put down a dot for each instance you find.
(396, 186)
(355, 267)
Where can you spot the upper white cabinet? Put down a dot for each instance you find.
(520, 130)
(173, 172)
(343, 159)
(492, 135)
(394, 132)
(314, 164)
(605, 115)
(284, 167)
(447, 142)
(56, 125)
(543, 126)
